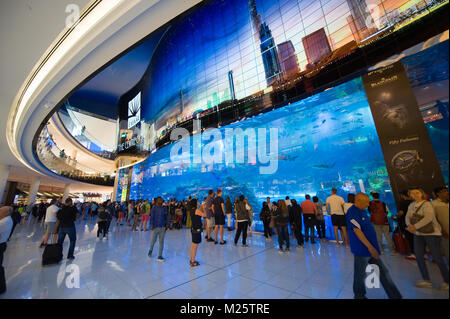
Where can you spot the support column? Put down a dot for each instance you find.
(34, 187)
(116, 184)
(66, 192)
(4, 173)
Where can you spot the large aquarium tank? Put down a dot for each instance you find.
(325, 141)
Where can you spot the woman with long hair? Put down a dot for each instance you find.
(250, 215)
(281, 223)
(421, 221)
(242, 219)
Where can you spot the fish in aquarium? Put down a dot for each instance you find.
(324, 166)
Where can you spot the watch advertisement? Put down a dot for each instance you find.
(406, 145)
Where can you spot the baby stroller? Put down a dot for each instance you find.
(178, 218)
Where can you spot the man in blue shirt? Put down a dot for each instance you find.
(364, 246)
(158, 223)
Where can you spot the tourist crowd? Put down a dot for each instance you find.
(422, 223)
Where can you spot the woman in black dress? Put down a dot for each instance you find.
(196, 229)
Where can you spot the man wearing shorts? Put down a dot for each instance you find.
(335, 207)
(219, 216)
(209, 215)
(145, 216)
(50, 223)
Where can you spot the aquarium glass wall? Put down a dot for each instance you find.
(326, 141)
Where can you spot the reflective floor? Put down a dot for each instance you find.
(119, 268)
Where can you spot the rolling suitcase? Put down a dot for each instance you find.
(52, 254)
(401, 244)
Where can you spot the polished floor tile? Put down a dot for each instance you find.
(120, 268)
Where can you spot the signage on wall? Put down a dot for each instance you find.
(408, 153)
(134, 111)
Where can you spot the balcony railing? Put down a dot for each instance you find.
(60, 163)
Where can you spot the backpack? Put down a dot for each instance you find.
(378, 215)
(103, 214)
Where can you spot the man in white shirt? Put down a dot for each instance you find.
(335, 207)
(50, 223)
(441, 210)
(6, 225)
(288, 202)
(269, 203)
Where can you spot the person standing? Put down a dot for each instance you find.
(273, 212)
(242, 219)
(350, 202)
(145, 216)
(287, 202)
(269, 203)
(66, 217)
(421, 221)
(264, 216)
(281, 223)
(138, 211)
(219, 216)
(158, 223)
(189, 212)
(41, 211)
(295, 219)
(130, 215)
(335, 207)
(402, 209)
(102, 221)
(250, 215)
(364, 247)
(50, 222)
(309, 211)
(379, 217)
(94, 209)
(6, 225)
(229, 212)
(440, 205)
(209, 215)
(320, 221)
(196, 230)
(121, 215)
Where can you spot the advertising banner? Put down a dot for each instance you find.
(407, 149)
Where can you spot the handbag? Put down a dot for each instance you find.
(415, 218)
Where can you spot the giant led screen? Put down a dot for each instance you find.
(232, 49)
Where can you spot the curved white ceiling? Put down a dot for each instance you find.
(107, 30)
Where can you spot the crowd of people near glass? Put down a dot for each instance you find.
(422, 221)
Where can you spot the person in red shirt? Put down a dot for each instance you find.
(309, 217)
